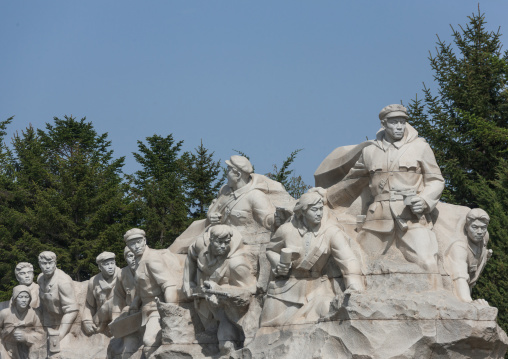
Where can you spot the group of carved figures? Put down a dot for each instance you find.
(261, 259)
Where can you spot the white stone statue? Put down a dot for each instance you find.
(97, 313)
(301, 253)
(222, 284)
(405, 182)
(58, 301)
(158, 275)
(252, 203)
(20, 326)
(240, 203)
(125, 292)
(125, 287)
(466, 257)
(25, 275)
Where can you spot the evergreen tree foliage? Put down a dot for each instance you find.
(466, 124)
(66, 195)
(203, 180)
(293, 184)
(493, 197)
(158, 190)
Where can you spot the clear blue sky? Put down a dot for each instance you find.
(263, 77)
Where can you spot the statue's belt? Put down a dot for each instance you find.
(394, 196)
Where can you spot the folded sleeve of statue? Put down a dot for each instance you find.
(263, 209)
(67, 297)
(348, 189)
(342, 253)
(90, 302)
(455, 261)
(160, 272)
(432, 178)
(277, 242)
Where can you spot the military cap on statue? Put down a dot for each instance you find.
(133, 233)
(240, 163)
(393, 111)
(104, 256)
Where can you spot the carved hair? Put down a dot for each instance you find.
(126, 250)
(221, 231)
(477, 214)
(47, 256)
(307, 200)
(22, 265)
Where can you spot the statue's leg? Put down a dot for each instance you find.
(153, 336)
(230, 337)
(375, 244)
(419, 246)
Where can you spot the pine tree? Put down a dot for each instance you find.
(67, 196)
(292, 183)
(466, 124)
(203, 180)
(158, 190)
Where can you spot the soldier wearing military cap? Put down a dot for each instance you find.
(240, 202)
(244, 204)
(158, 275)
(58, 300)
(97, 313)
(406, 183)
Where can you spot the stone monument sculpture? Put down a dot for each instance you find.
(367, 264)
(20, 326)
(466, 257)
(301, 253)
(25, 275)
(406, 184)
(125, 292)
(98, 309)
(222, 285)
(158, 276)
(58, 301)
(253, 204)
(419, 258)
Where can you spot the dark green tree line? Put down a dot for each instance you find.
(63, 192)
(465, 121)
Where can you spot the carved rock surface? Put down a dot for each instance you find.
(375, 326)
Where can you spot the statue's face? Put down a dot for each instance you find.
(395, 127)
(137, 245)
(232, 176)
(108, 267)
(47, 267)
(130, 258)
(220, 246)
(23, 300)
(25, 276)
(314, 214)
(476, 231)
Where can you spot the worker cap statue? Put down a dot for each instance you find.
(393, 111)
(104, 256)
(241, 163)
(134, 233)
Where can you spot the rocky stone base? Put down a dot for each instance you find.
(374, 326)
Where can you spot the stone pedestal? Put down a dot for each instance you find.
(376, 325)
